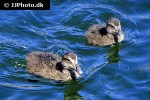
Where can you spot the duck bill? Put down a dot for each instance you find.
(78, 69)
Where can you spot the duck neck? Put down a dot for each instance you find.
(115, 35)
(73, 73)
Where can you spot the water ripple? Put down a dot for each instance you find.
(116, 72)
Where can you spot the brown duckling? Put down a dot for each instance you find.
(52, 66)
(103, 35)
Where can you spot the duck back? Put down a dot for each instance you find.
(97, 35)
(47, 65)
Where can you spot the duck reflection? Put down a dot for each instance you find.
(71, 92)
(113, 54)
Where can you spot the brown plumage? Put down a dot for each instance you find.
(105, 34)
(52, 66)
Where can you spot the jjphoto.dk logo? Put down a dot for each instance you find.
(12, 5)
(25, 5)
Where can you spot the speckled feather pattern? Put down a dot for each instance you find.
(95, 37)
(44, 64)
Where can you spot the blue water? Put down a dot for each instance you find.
(121, 72)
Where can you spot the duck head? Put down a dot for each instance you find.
(70, 62)
(113, 26)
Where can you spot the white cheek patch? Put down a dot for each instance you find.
(75, 63)
(76, 60)
(72, 61)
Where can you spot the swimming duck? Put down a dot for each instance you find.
(52, 66)
(103, 35)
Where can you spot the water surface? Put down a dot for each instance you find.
(120, 72)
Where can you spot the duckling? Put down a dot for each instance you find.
(103, 35)
(52, 66)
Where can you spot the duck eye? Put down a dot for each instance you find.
(111, 25)
(67, 59)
